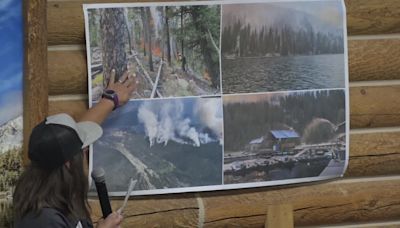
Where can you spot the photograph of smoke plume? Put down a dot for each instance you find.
(171, 51)
(280, 136)
(162, 144)
(282, 46)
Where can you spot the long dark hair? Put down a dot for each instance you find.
(63, 188)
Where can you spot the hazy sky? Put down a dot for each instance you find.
(329, 12)
(11, 59)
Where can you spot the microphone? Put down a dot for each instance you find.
(98, 176)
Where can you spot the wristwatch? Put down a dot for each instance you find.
(111, 95)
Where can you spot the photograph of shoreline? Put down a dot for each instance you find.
(284, 136)
(282, 46)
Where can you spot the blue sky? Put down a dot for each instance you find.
(11, 59)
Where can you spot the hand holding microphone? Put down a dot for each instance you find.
(112, 220)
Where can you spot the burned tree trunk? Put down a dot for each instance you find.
(211, 64)
(168, 41)
(143, 17)
(113, 33)
(183, 59)
(148, 31)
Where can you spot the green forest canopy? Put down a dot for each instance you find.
(246, 121)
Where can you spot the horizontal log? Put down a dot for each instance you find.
(179, 210)
(67, 72)
(341, 201)
(368, 60)
(66, 23)
(374, 153)
(375, 106)
(374, 59)
(373, 17)
(374, 224)
(329, 203)
(371, 106)
(75, 108)
(371, 154)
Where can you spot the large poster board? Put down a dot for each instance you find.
(228, 94)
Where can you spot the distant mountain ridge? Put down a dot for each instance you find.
(11, 135)
(276, 16)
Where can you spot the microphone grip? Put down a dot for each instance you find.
(103, 198)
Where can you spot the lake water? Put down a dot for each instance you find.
(249, 75)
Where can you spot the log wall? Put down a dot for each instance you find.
(367, 196)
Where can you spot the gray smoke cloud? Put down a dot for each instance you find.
(166, 121)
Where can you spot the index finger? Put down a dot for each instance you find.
(112, 77)
(124, 77)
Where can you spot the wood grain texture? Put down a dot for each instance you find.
(75, 108)
(67, 72)
(180, 210)
(374, 59)
(328, 203)
(375, 106)
(66, 23)
(365, 17)
(279, 216)
(368, 60)
(374, 154)
(35, 68)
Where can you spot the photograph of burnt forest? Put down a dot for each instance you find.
(171, 51)
(162, 144)
(282, 46)
(287, 135)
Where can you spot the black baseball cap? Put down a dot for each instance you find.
(59, 138)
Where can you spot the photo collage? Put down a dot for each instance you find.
(227, 94)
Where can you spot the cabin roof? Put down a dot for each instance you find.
(284, 134)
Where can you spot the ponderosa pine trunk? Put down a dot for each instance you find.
(113, 33)
(148, 29)
(168, 41)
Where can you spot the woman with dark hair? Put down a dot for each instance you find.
(52, 191)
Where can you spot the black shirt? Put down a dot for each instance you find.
(50, 218)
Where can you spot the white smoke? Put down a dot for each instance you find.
(149, 119)
(166, 121)
(185, 130)
(210, 115)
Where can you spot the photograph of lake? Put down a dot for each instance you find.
(163, 143)
(282, 46)
(284, 135)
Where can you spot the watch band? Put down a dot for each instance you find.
(113, 96)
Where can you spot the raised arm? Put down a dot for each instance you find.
(123, 89)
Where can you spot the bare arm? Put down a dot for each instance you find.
(101, 110)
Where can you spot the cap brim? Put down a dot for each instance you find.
(89, 132)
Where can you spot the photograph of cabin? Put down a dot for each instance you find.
(280, 140)
(284, 135)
